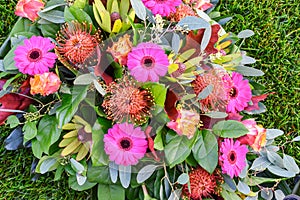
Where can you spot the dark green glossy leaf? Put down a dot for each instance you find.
(30, 130)
(177, 150)
(111, 192)
(48, 133)
(75, 186)
(49, 30)
(70, 104)
(99, 174)
(100, 128)
(205, 150)
(54, 16)
(230, 129)
(159, 92)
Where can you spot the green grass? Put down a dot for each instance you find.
(275, 45)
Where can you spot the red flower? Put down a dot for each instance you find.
(193, 41)
(14, 101)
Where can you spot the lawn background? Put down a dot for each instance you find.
(276, 47)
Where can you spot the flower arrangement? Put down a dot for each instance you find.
(142, 99)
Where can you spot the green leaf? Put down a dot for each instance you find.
(158, 142)
(280, 172)
(53, 4)
(230, 129)
(159, 92)
(54, 16)
(255, 180)
(205, 150)
(139, 9)
(111, 192)
(30, 130)
(99, 174)
(84, 79)
(75, 186)
(49, 30)
(48, 133)
(205, 92)
(177, 150)
(230, 195)
(80, 15)
(101, 126)
(13, 121)
(145, 173)
(24, 25)
(70, 104)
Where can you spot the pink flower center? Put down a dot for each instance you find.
(34, 55)
(232, 157)
(148, 62)
(233, 92)
(125, 143)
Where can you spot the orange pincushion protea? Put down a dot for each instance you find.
(75, 43)
(202, 184)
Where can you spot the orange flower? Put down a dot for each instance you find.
(120, 49)
(44, 84)
(256, 138)
(29, 8)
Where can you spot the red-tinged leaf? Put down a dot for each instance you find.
(255, 100)
(170, 104)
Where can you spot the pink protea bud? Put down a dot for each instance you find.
(29, 8)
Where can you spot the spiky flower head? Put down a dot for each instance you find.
(75, 43)
(127, 101)
(216, 87)
(203, 184)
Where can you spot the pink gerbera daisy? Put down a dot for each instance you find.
(147, 61)
(240, 94)
(162, 7)
(33, 57)
(233, 157)
(125, 144)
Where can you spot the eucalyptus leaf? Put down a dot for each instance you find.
(245, 33)
(125, 175)
(47, 164)
(216, 114)
(243, 188)
(247, 60)
(193, 23)
(267, 193)
(279, 195)
(175, 42)
(113, 171)
(84, 79)
(296, 139)
(80, 179)
(139, 8)
(280, 172)
(249, 71)
(206, 37)
(52, 4)
(273, 133)
(145, 173)
(205, 92)
(175, 195)
(183, 178)
(290, 164)
(274, 158)
(75, 186)
(260, 164)
(77, 166)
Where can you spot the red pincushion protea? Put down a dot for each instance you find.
(126, 101)
(181, 12)
(75, 43)
(218, 97)
(202, 184)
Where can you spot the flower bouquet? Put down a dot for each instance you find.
(139, 99)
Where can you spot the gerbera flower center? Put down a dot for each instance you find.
(125, 143)
(34, 55)
(148, 62)
(233, 92)
(232, 157)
